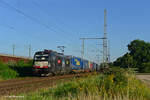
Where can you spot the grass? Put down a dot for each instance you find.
(1, 79)
(113, 85)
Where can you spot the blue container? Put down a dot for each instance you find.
(85, 64)
(77, 63)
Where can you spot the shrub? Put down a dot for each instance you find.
(6, 72)
(23, 68)
(145, 68)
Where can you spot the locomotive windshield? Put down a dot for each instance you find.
(41, 58)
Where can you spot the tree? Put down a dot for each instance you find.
(126, 61)
(144, 68)
(138, 56)
(140, 51)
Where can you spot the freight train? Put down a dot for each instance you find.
(51, 62)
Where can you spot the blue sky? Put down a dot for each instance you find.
(63, 22)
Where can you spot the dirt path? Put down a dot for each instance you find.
(144, 78)
(17, 86)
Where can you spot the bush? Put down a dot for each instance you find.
(145, 68)
(23, 68)
(6, 72)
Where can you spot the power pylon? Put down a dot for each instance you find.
(105, 55)
(109, 52)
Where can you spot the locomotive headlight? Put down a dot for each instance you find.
(43, 58)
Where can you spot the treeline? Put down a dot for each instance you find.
(138, 57)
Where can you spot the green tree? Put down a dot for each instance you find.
(138, 56)
(140, 51)
(144, 68)
(125, 61)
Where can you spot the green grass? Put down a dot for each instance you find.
(114, 85)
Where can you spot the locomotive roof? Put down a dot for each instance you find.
(45, 52)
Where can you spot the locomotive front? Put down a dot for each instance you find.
(41, 62)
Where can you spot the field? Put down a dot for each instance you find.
(117, 84)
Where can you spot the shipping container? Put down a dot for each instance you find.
(85, 64)
(77, 63)
(90, 66)
(94, 66)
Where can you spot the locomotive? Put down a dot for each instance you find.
(51, 62)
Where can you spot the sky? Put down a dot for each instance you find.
(46, 24)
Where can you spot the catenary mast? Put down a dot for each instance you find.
(105, 55)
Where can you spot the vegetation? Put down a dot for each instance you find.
(6, 72)
(117, 84)
(12, 70)
(22, 68)
(137, 57)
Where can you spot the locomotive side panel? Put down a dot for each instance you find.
(67, 64)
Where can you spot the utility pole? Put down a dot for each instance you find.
(29, 50)
(82, 52)
(13, 49)
(105, 56)
(61, 48)
(108, 52)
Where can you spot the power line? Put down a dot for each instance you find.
(35, 3)
(8, 26)
(27, 16)
(30, 17)
(56, 26)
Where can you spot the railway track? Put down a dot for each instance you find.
(17, 86)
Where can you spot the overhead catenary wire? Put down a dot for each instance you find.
(31, 18)
(35, 3)
(8, 26)
(69, 37)
(27, 16)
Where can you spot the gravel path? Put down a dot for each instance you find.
(144, 78)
